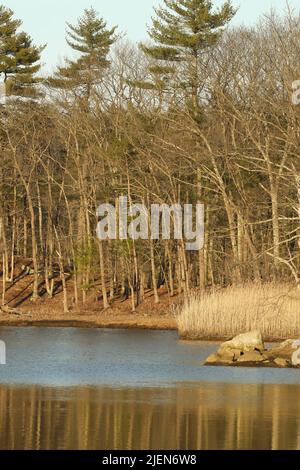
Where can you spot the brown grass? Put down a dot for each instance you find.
(274, 309)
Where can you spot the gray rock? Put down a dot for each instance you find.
(245, 342)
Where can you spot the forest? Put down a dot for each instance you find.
(201, 112)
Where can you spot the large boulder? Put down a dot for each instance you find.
(248, 349)
(245, 342)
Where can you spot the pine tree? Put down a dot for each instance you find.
(19, 57)
(182, 31)
(8, 25)
(91, 38)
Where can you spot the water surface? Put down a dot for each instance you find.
(115, 389)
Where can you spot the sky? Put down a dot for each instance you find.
(45, 20)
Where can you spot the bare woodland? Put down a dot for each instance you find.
(236, 151)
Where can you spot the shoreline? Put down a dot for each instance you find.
(136, 321)
(209, 318)
(109, 321)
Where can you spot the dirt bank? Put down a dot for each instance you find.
(20, 310)
(107, 320)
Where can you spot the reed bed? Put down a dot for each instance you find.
(272, 308)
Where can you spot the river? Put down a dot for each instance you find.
(66, 388)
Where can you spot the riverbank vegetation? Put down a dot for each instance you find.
(201, 113)
(270, 308)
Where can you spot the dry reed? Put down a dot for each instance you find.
(274, 309)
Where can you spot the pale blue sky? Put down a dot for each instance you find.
(45, 20)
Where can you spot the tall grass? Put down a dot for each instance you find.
(274, 309)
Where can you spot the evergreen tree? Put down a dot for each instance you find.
(182, 31)
(19, 57)
(91, 38)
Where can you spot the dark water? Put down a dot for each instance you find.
(114, 389)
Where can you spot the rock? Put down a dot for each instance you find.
(285, 354)
(232, 354)
(280, 362)
(252, 356)
(226, 354)
(224, 362)
(215, 360)
(224, 357)
(285, 351)
(285, 344)
(296, 358)
(212, 359)
(289, 343)
(237, 354)
(249, 348)
(245, 342)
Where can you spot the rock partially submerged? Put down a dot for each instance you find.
(248, 350)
